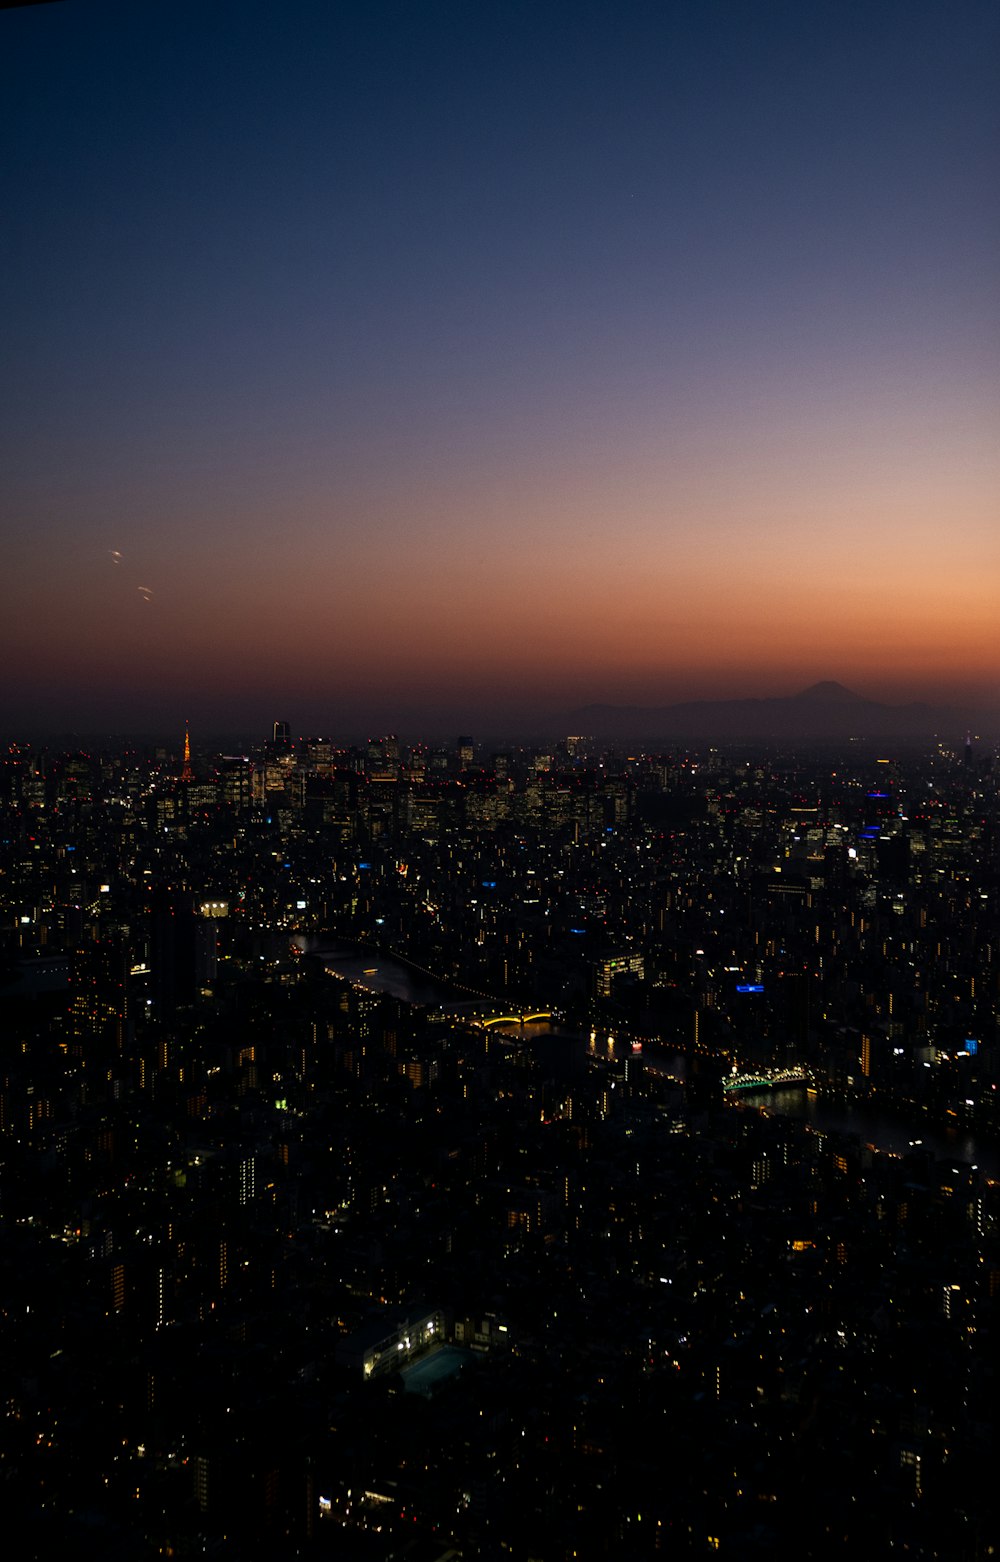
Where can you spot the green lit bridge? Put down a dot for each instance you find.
(765, 1079)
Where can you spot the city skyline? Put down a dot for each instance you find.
(589, 1152)
(436, 372)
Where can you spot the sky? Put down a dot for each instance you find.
(437, 367)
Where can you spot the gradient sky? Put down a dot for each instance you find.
(446, 366)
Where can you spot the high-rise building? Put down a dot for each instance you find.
(99, 992)
(183, 951)
(609, 968)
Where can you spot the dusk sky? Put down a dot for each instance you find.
(443, 367)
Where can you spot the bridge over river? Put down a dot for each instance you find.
(383, 972)
(766, 1079)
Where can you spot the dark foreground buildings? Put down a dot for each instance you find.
(314, 1249)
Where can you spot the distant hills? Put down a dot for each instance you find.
(825, 711)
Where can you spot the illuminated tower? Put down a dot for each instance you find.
(187, 774)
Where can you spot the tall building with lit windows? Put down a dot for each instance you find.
(99, 992)
(608, 970)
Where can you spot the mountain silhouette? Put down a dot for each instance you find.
(825, 711)
(829, 689)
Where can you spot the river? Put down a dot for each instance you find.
(877, 1128)
(383, 973)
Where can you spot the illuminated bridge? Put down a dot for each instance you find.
(517, 1019)
(766, 1079)
(487, 1016)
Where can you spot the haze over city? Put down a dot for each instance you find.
(451, 367)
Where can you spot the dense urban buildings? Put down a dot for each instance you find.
(435, 1152)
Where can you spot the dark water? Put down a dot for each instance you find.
(885, 1133)
(381, 973)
